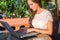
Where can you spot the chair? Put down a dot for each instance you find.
(55, 35)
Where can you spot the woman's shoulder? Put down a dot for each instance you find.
(46, 12)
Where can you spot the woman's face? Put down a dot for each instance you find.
(32, 5)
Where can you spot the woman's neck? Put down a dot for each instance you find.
(39, 10)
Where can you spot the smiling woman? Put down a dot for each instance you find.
(41, 19)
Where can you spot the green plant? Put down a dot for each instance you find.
(44, 2)
(16, 8)
(2, 5)
(22, 7)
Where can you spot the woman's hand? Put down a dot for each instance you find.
(30, 30)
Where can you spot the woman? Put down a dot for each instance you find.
(41, 19)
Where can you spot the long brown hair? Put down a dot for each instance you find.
(33, 12)
(31, 17)
(38, 2)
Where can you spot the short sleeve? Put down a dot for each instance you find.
(49, 17)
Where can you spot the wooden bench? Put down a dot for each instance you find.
(17, 22)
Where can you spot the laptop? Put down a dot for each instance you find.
(15, 34)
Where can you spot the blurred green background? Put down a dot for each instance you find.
(16, 8)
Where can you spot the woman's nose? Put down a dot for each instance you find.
(30, 7)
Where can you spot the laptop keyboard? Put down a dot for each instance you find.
(29, 35)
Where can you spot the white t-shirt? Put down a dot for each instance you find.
(40, 20)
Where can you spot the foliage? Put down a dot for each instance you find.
(16, 8)
(44, 3)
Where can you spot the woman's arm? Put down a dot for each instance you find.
(46, 31)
